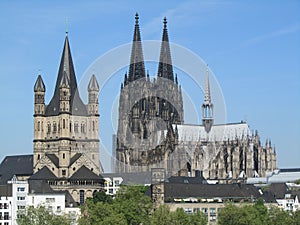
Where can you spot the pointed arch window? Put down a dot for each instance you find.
(76, 127)
(48, 128)
(54, 127)
(83, 130)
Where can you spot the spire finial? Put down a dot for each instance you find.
(207, 98)
(165, 22)
(67, 26)
(136, 18)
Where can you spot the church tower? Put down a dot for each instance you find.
(207, 107)
(66, 138)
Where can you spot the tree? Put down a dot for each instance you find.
(257, 214)
(163, 216)
(130, 206)
(41, 216)
(100, 196)
(132, 202)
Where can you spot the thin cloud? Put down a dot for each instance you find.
(278, 33)
(182, 15)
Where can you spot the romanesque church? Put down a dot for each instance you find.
(66, 133)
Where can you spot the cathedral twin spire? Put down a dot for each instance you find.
(137, 66)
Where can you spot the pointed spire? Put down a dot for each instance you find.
(93, 85)
(66, 67)
(39, 85)
(207, 98)
(165, 68)
(137, 67)
(65, 81)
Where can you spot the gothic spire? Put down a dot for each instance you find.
(39, 85)
(207, 106)
(93, 84)
(207, 98)
(137, 67)
(66, 66)
(165, 68)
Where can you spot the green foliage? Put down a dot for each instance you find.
(297, 182)
(100, 196)
(130, 206)
(41, 216)
(256, 214)
(163, 216)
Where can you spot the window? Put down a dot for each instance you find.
(81, 197)
(1, 205)
(212, 214)
(76, 127)
(21, 206)
(6, 216)
(50, 200)
(64, 155)
(64, 123)
(82, 128)
(39, 126)
(20, 198)
(48, 128)
(117, 183)
(5, 206)
(205, 211)
(64, 172)
(38, 157)
(54, 127)
(196, 210)
(21, 189)
(93, 125)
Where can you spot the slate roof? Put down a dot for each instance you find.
(39, 85)
(74, 158)
(186, 180)
(211, 191)
(6, 190)
(39, 187)
(279, 190)
(53, 159)
(93, 84)
(66, 66)
(131, 178)
(20, 165)
(85, 174)
(43, 174)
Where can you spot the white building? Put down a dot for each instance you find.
(17, 195)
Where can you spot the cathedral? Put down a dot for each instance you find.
(66, 133)
(152, 134)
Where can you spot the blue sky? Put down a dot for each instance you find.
(253, 48)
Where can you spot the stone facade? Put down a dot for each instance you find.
(66, 133)
(152, 134)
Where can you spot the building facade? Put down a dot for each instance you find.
(152, 134)
(66, 133)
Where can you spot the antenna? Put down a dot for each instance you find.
(67, 26)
